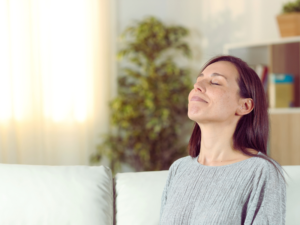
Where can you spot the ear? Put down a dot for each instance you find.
(246, 105)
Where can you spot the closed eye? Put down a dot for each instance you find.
(214, 83)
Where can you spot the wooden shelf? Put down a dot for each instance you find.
(228, 47)
(284, 110)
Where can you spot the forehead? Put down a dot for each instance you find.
(222, 67)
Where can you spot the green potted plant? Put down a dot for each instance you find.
(149, 115)
(289, 20)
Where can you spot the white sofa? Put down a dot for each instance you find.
(82, 195)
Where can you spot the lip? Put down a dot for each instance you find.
(197, 98)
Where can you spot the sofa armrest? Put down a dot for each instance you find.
(47, 195)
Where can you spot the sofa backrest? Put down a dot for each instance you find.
(293, 194)
(80, 195)
(138, 197)
(47, 195)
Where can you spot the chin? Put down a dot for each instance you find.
(193, 116)
(198, 117)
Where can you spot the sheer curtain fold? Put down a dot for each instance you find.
(54, 66)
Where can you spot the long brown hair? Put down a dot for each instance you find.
(252, 130)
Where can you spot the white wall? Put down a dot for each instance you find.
(213, 22)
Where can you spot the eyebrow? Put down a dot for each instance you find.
(212, 75)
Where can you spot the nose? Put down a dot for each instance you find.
(199, 86)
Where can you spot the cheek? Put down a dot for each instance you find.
(218, 95)
(228, 101)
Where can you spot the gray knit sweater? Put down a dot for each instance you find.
(246, 192)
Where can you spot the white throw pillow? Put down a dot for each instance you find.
(138, 197)
(55, 195)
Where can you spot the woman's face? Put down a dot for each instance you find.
(215, 96)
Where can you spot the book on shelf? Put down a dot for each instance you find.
(281, 90)
(262, 72)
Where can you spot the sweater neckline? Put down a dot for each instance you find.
(228, 165)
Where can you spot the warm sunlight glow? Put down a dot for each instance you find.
(54, 43)
(5, 103)
(55, 81)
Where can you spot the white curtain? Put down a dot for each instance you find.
(55, 79)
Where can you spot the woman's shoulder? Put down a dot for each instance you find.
(268, 168)
(183, 161)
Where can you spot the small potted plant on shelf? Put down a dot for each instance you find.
(289, 19)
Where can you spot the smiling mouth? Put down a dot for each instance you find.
(196, 98)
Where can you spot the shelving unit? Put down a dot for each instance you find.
(282, 56)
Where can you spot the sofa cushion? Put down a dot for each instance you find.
(293, 194)
(138, 197)
(44, 195)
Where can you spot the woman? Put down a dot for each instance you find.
(227, 178)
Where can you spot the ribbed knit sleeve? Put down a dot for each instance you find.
(249, 192)
(267, 203)
(164, 194)
(172, 171)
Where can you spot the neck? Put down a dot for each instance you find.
(217, 143)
